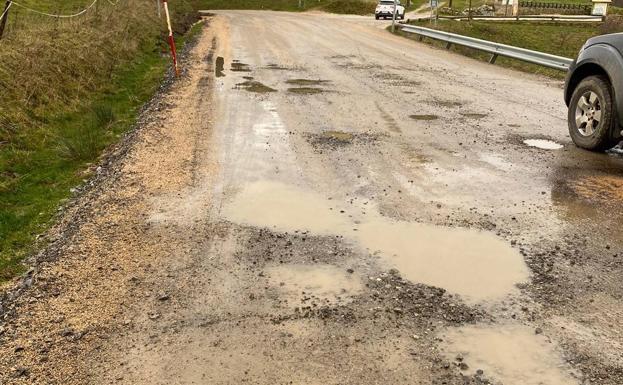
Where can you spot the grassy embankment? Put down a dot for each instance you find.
(355, 7)
(69, 89)
(563, 39)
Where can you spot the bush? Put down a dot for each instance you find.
(355, 7)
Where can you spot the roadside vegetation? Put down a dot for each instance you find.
(357, 7)
(563, 39)
(68, 89)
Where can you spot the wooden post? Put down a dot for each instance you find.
(469, 11)
(5, 15)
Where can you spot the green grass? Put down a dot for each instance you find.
(461, 5)
(563, 39)
(360, 7)
(38, 167)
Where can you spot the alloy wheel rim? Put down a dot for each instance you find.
(588, 113)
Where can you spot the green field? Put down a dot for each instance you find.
(563, 39)
(360, 7)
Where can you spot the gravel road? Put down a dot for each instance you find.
(317, 201)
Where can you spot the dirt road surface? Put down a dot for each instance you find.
(317, 201)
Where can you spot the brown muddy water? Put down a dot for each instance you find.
(305, 90)
(508, 354)
(326, 283)
(220, 67)
(474, 264)
(255, 86)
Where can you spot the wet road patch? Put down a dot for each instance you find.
(313, 284)
(255, 86)
(509, 354)
(474, 264)
(276, 67)
(237, 66)
(306, 82)
(605, 188)
(543, 144)
(424, 117)
(306, 90)
(220, 65)
(473, 115)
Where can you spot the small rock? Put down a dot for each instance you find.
(20, 371)
(538, 331)
(154, 316)
(163, 297)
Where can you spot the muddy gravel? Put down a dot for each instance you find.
(359, 209)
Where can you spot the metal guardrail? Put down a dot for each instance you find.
(495, 49)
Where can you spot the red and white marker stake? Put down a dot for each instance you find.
(171, 41)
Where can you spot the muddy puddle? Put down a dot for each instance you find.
(237, 66)
(506, 354)
(473, 115)
(306, 82)
(220, 67)
(604, 188)
(313, 285)
(255, 86)
(276, 67)
(476, 265)
(305, 90)
(543, 144)
(424, 117)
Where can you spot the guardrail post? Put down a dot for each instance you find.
(448, 45)
(493, 58)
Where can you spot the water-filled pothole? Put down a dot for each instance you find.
(508, 354)
(255, 86)
(424, 117)
(305, 90)
(543, 144)
(220, 65)
(314, 284)
(237, 66)
(474, 264)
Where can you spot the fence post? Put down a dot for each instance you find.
(5, 15)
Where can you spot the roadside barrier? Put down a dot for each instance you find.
(495, 49)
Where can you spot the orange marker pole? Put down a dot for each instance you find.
(171, 41)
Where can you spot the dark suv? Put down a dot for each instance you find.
(594, 93)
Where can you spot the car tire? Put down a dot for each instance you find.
(376, 17)
(592, 116)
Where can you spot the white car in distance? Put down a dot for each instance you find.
(385, 9)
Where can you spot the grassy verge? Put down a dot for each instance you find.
(563, 39)
(358, 7)
(53, 127)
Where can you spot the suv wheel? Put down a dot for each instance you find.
(591, 114)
